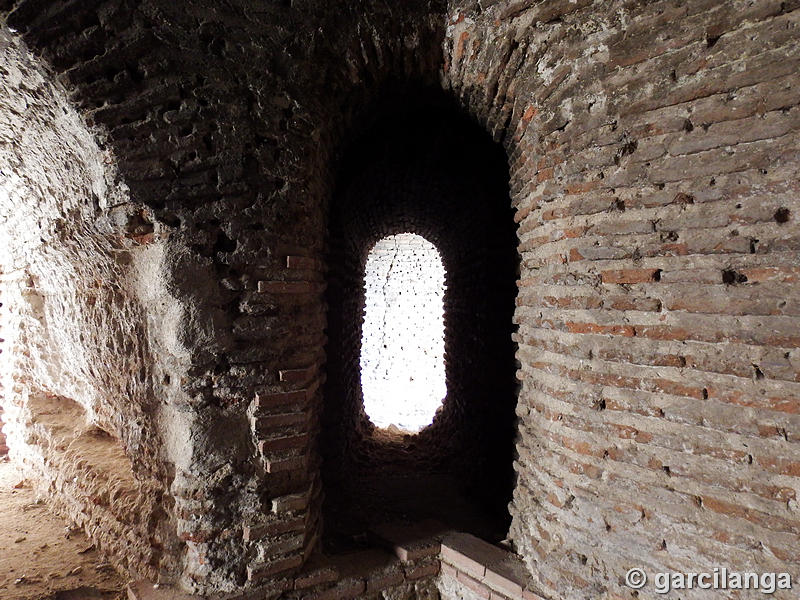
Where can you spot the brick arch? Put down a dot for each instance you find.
(650, 149)
(232, 161)
(433, 172)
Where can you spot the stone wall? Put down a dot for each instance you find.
(652, 153)
(79, 337)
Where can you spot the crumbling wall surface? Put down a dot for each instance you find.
(654, 158)
(75, 337)
(225, 118)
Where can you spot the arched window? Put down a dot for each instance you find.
(423, 263)
(402, 337)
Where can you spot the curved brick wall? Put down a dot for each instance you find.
(654, 158)
(652, 152)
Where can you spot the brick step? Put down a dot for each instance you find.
(406, 552)
(489, 571)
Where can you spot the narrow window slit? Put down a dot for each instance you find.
(402, 340)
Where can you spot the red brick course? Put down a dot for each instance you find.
(657, 305)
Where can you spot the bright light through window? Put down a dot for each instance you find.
(402, 345)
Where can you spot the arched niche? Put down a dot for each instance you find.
(418, 165)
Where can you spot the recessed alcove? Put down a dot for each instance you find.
(420, 167)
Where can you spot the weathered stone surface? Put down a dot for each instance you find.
(86, 345)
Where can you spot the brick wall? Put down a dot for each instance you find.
(471, 569)
(653, 170)
(74, 245)
(403, 564)
(235, 163)
(425, 561)
(653, 152)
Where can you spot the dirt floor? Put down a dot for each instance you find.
(41, 556)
